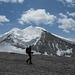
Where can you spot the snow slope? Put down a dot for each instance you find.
(25, 37)
(26, 34)
(66, 39)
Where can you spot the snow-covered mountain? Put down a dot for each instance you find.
(43, 42)
(16, 40)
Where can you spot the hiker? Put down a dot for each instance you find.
(28, 51)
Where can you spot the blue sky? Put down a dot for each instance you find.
(56, 16)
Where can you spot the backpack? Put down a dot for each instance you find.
(27, 50)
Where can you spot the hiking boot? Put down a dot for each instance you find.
(30, 62)
(26, 61)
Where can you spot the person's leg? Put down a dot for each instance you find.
(28, 58)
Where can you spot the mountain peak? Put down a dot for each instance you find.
(34, 27)
(25, 35)
(14, 29)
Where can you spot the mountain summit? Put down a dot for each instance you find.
(16, 40)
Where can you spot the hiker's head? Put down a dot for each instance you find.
(30, 46)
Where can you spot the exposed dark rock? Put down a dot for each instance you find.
(51, 44)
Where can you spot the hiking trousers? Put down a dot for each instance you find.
(29, 59)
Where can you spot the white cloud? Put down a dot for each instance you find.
(62, 15)
(66, 23)
(21, 22)
(13, 1)
(3, 19)
(71, 14)
(69, 3)
(39, 16)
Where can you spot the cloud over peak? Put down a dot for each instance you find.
(39, 16)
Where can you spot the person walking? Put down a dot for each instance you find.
(28, 51)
